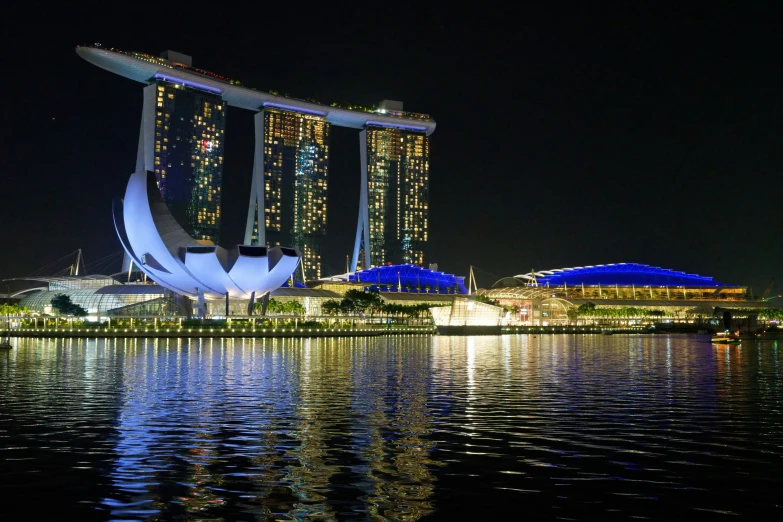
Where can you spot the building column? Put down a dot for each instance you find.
(145, 157)
(255, 210)
(364, 211)
(145, 154)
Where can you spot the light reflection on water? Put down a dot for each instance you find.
(579, 427)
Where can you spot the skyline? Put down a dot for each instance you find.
(656, 142)
(289, 189)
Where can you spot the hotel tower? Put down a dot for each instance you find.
(182, 140)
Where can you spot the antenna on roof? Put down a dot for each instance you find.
(472, 282)
(78, 261)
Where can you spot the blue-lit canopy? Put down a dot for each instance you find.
(409, 278)
(624, 274)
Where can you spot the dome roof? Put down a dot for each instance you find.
(411, 277)
(624, 274)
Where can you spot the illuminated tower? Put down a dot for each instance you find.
(394, 206)
(295, 159)
(181, 140)
(188, 155)
(412, 210)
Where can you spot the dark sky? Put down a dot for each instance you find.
(565, 136)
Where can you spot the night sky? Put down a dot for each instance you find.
(565, 137)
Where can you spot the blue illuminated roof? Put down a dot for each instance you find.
(297, 284)
(625, 274)
(411, 278)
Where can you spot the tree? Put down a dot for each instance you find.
(64, 306)
(13, 310)
(586, 309)
(294, 308)
(276, 307)
(331, 307)
(347, 306)
(484, 299)
(361, 301)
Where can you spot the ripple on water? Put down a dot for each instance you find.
(569, 427)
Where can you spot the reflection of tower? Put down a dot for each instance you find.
(397, 451)
(394, 201)
(313, 460)
(292, 184)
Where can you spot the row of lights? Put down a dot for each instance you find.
(264, 330)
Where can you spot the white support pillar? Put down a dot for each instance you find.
(145, 154)
(364, 212)
(358, 242)
(201, 305)
(145, 157)
(255, 209)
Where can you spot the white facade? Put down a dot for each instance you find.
(162, 249)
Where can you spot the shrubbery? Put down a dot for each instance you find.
(204, 323)
(361, 302)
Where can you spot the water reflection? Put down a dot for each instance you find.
(398, 428)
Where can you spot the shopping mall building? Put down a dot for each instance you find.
(546, 297)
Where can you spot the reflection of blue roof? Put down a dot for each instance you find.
(618, 273)
(411, 278)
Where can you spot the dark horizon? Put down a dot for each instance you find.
(564, 138)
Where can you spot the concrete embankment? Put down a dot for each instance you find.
(112, 333)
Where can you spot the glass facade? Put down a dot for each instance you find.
(466, 312)
(296, 164)
(398, 195)
(98, 302)
(189, 139)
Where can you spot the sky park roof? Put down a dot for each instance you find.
(623, 274)
(146, 68)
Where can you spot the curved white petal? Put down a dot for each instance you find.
(175, 260)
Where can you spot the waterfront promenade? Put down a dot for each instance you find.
(287, 332)
(111, 333)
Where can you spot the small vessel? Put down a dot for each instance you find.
(726, 337)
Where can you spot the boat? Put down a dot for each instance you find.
(726, 338)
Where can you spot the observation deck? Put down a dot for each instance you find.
(146, 69)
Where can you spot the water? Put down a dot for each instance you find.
(443, 428)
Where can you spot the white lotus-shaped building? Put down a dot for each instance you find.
(162, 249)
